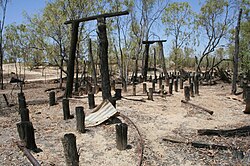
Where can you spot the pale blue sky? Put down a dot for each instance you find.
(16, 7)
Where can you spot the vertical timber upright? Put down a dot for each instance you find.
(103, 51)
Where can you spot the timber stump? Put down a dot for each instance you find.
(80, 119)
(247, 109)
(121, 136)
(70, 150)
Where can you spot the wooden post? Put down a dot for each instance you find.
(52, 98)
(24, 112)
(196, 84)
(103, 55)
(80, 119)
(70, 150)
(118, 94)
(91, 100)
(162, 90)
(121, 136)
(176, 85)
(247, 109)
(190, 78)
(161, 55)
(153, 85)
(26, 133)
(71, 61)
(145, 65)
(150, 79)
(21, 101)
(144, 87)
(134, 90)
(192, 89)
(181, 83)
(187, 93)
(66, 110)
(170, 88)
(112, 100)
(150, 94)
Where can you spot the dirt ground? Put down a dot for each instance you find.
(164, 117)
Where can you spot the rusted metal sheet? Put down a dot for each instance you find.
(101, 115)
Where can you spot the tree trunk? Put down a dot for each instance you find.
(161, 52)
(155, 64)
(236, 54)
(92, 62)
(145, 65)
(71, 62)
(103, 55)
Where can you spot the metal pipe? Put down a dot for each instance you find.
(27, 153)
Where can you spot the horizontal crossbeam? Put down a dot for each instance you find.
(105, 15)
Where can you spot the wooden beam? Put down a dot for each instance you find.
(105, 15)
(152, 41)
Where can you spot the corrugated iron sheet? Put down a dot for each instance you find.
(102, 114)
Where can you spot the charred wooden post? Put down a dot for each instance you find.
(103, 51)
(196, 84)
(150, 94)
(134, 90)
(80, 119)
(190, 78)
(66, 110)
(153, 85)
(103, 55)
(21, 101)
(155, 76)
(70, 150)
(146, 56)
(150, 79)
(162, 90)
(181, 83)
(91, 100)
(24, 112)
(71, 61)
(52, 98)
(161, 55)
(192, 89)
(247, 109)
(187, 93)
(26, 133)
(118, 91)
(170, 88)
(121, 136)
(176, 85)
(144, 88)
(6, 100)
(112, 100)
(145, 65)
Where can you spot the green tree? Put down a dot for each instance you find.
(3, 8)
(178, 19)
(214, 22)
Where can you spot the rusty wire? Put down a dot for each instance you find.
(141, 144)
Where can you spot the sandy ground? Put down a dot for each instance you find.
(158, 119)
